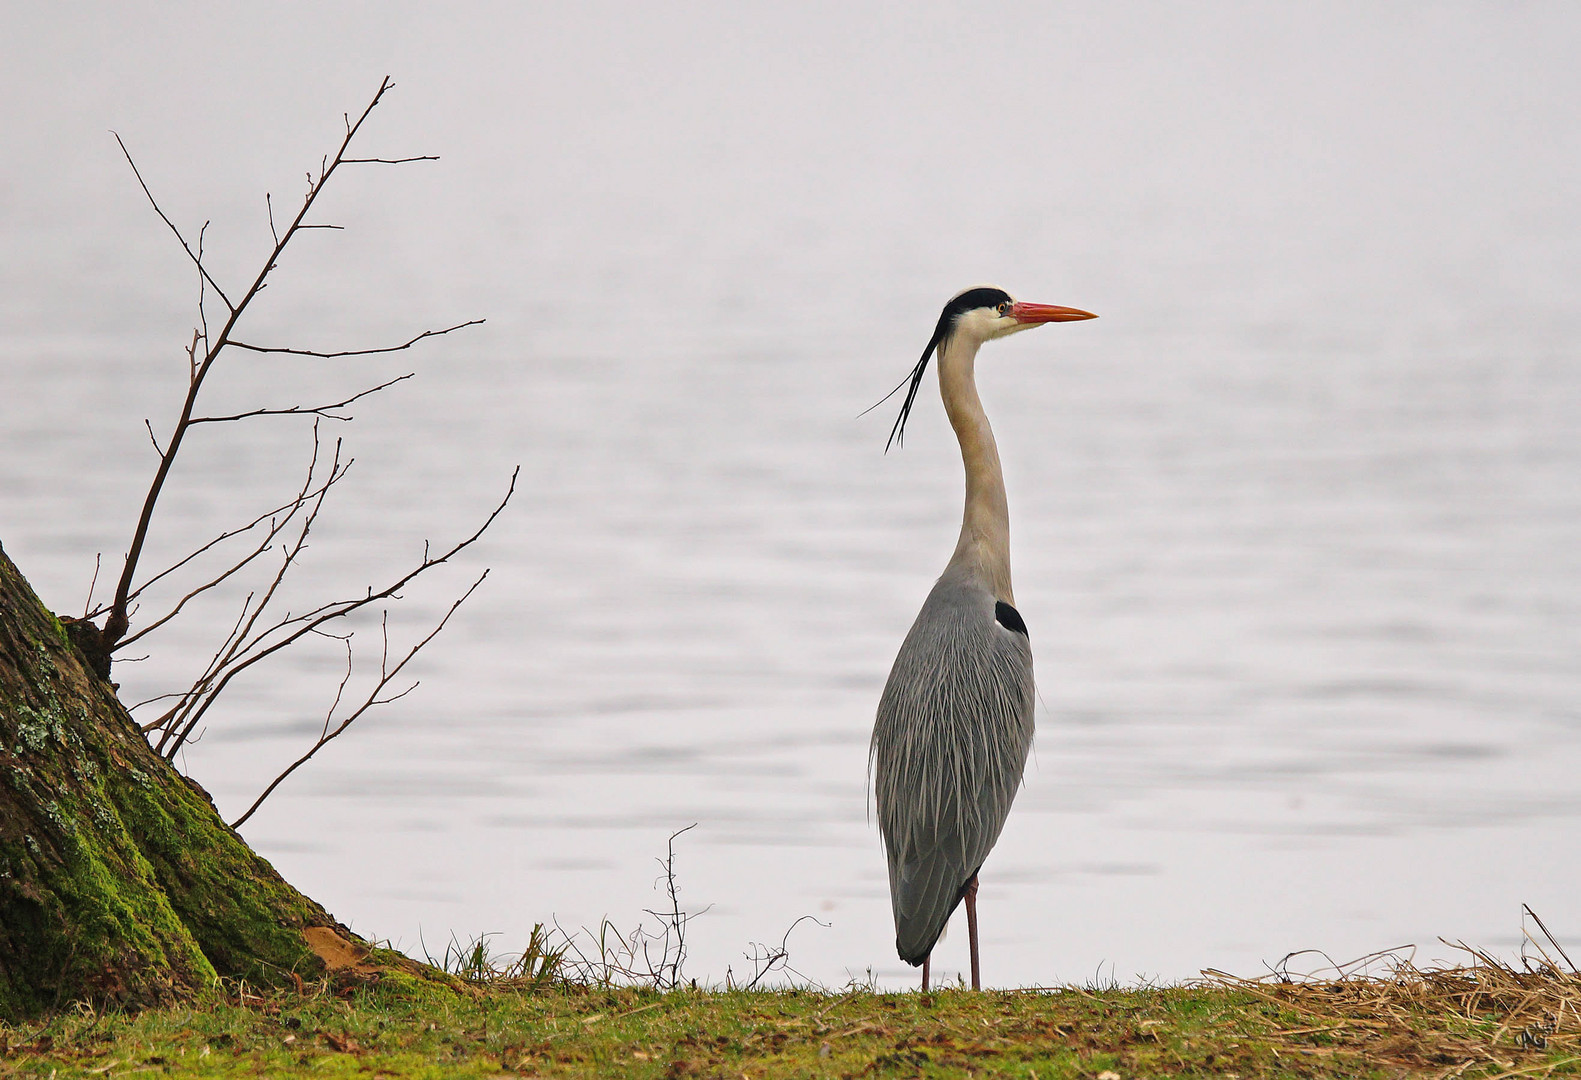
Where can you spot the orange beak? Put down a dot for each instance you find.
(1042, 313)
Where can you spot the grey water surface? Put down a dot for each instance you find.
(1297, 521)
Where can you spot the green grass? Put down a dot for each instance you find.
(1413, 1024)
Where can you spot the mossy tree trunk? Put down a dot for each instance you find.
(119, 882)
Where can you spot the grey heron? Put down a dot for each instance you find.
(955, 720)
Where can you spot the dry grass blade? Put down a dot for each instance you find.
(1484, 1013)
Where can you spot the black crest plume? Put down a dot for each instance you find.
(970, 300)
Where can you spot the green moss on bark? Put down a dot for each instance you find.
(119, 881)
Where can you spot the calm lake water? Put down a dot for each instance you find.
(1297, 522)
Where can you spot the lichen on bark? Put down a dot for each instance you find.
(119, 881)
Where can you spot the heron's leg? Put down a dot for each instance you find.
(971, 929)
(926, 963)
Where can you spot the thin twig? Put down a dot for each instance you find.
(196, 260)
(357, 352)
(293, 627)
(325, 411)
(203, 315)
(204, 690)
(217, 675)
(276, 526)
(288, 508)
(673, 923)
(155, 725)
(386, 676)
(388, 161)
(98, 555)
(1553, 940)
(168, 722)
(764, 961)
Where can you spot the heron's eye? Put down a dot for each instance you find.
(1004, 307)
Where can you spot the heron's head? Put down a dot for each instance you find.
(980, 314)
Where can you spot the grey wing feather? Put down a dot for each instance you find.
(949, 748)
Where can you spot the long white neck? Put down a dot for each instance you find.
(984, 547)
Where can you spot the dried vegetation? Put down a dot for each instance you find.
(1484, 1018)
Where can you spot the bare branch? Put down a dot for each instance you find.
(289, 508)
(203, 314)
(116, 623)
(346, 678)
(201, 694)
(192, 695)
(388, 161)
(300, 410)
(192, 357)
(196, 260)
(358, 352)
(262, 644)
(155, 725)
(225, 664)
(372, 700)
(259, 630)
(398, 697)
(263, 546)
(150, 701)
(765, 959)
(92, 585)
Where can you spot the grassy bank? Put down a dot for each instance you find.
(1484, 1021)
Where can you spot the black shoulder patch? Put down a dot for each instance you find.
(1009, 618)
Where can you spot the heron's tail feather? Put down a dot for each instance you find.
(926, 893)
